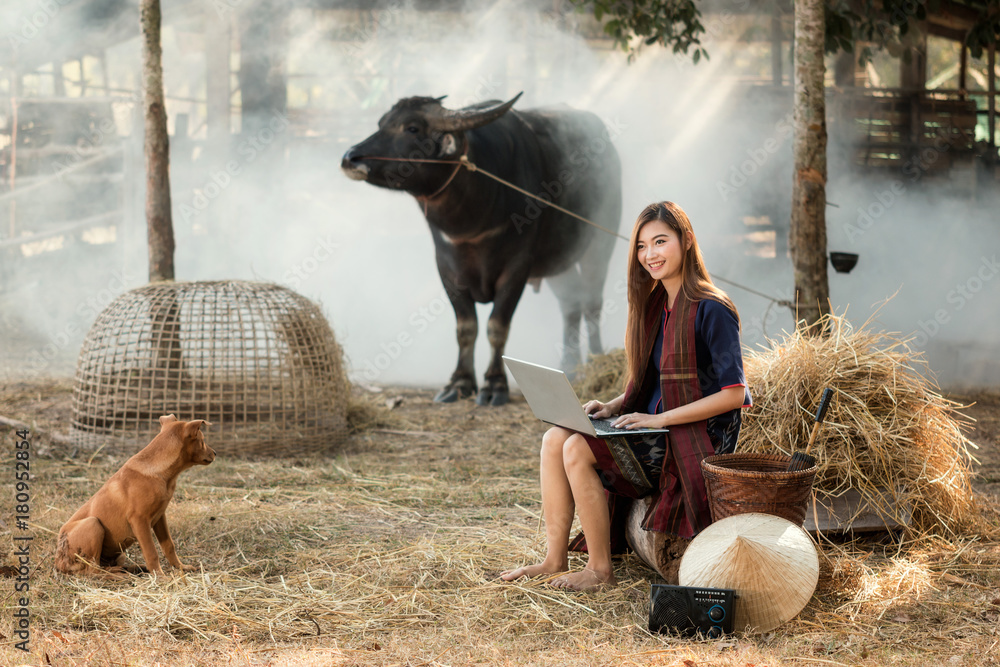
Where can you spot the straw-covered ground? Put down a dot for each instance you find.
(386, 553)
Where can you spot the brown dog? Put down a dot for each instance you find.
(132, 503)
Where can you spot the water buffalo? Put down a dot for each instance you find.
(491, 240)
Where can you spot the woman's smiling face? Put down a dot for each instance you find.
(659, 250)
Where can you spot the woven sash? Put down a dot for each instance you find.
(681, 505)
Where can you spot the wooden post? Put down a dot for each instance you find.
(104, 73)
(777, 77)
(157, 148)
(963, 70)
(843, 70)
(913, 79)
(83, 77)
(165, 325)
(58, 80)
(807, 234)
(262, 76)
(991, 66)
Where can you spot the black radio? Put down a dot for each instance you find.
(691, 610)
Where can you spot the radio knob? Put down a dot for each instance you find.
(716, 613)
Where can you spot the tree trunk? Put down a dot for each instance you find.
(158, 219)
(807, 236)
(165, 326)
(659, 551)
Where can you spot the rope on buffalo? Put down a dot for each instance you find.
(463, 160)
(471, 167)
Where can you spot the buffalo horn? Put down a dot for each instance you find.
(471, 117)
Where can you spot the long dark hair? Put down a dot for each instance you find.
(696, 285)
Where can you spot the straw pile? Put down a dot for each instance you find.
(602, 377)
(327, 552)
(388, 555)
(888, 433)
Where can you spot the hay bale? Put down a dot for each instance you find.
(602, 377)
(889, 435)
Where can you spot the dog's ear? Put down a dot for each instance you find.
(167, 419)
(193, 427)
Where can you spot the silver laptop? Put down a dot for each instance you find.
(552, 399)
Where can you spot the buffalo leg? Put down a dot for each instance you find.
(567, 290)
(463, 380)
(496, 391)
(593, 273)
(592, 307)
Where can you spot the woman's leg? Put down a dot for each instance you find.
(557, 508)
(592, 506)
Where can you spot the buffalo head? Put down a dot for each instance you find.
(418, 128)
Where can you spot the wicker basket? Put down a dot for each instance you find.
(740, 483)
(257, 360)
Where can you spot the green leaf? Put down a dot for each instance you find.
(673, 23)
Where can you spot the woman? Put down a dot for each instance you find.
(685, 372)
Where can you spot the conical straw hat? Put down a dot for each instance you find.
(770, 562)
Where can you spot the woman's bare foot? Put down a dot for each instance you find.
(585, 580)
(531, 571)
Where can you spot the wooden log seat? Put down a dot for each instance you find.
(659, 551)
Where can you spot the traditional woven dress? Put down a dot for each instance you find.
(693, 350)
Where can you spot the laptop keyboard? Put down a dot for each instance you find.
(605, 426)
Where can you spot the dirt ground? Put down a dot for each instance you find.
(46, 406)
(985, 409)
(411, 521)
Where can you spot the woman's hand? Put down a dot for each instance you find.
(705, 407)
(600, 410)
(641, 420)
